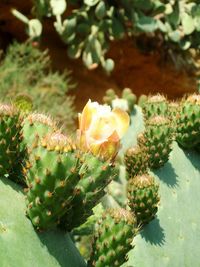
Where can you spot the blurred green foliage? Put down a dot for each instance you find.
(88, 26)
(26, 70)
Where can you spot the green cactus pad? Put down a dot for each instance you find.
(21, 245)
(37, 125)
(157, 140)
(188, 122)
(95, 175)
(112, 238)
(51, 179)
(10, 139)
(155, 105)
(136, 161)
(143, 198)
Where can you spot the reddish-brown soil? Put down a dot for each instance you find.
(143, 73)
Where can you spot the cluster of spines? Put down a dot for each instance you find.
(143, 197)
(112, 238)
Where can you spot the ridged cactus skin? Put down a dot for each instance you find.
(51, 178)
(155, 105)
(157, 140)
(12, 153)
(143, 197)
(188, 122)
(112, 238)
(95, 174)
(136, 161)
(173, 238)
(21, 245)
(36, 125)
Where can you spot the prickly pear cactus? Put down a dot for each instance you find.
(51, 178)
(188, 122)
(155, 105)
(21, 245)
(10, 140)
(36, 125)
(143, 197)
(95, 174)
(173, 238)
(157, 140)
(136, 161)
(112, 239)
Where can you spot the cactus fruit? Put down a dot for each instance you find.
(136, 161)
(95, 175)
(37, 125)
(112, 238)
(109, 97)
(188, 122)
(51, 178)
(157, 140)
(10, 140)
(143, 197)
(155, 105)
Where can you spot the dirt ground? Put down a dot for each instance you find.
(143, 73)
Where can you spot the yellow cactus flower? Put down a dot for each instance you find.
(100, 129)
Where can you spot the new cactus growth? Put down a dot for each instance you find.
(95, 175)
(143, 197)
(136, 161)
(188, 122)
(10, 139)
(112, 238)
(157, 140)
(51, 179)
(155, 105)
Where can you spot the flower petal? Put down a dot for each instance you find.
(122, 121)
(86, 117)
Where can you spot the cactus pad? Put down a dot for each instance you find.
(51, 179)
(112, 239)
(143, 198)
(157, 140)
(188, 122)
(10, 140)
(136, 161)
